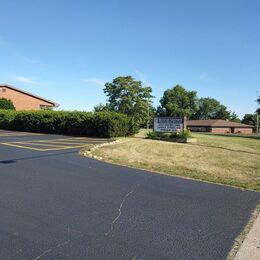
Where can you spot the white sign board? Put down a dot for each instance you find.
(168, 124)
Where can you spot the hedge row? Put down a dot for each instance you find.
(98, 124)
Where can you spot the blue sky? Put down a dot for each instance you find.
(66, 50)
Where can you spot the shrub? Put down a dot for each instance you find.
(157, 135)
(151, 135)
(184, 134)
(181, 134)
(6, 118)
(99, 124)
(134, 127)
(162, 136)
(6, 104)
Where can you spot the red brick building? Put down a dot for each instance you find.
(23, 100)
(219, 127)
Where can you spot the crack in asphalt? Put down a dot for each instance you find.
(120, 207)
(122, 204)
(49, 250)
(59, 245)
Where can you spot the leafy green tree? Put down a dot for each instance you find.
(152, 112)
(210, 108)
(249, 119)
(101, 107)
(6, 104)
(258, 101)
(234, 117)
(129, 97)
(160, 111)
(223, 113)
(207, 108)
(178, 101)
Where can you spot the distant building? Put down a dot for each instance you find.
(23, 100)
(219, 127)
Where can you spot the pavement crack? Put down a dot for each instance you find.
(122, 204)
(120, 208)
(51, 249)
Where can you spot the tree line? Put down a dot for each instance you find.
(129, 96)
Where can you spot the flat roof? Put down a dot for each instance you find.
(30, 94)
(216, 123)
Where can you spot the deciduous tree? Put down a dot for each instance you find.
(178, 101)
(249, 119)
(210, 108)
(130, 97)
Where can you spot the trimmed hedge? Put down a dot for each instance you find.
(98, 124)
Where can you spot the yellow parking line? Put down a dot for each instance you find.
(63, 148)
(59, 141)
(68, 142)
(79, 140)
(48, 142)
(23, 147)
(65, 143)
(17, 134)
(10, 135)
(37, 144)
(41, 149)
(87, 139)
(54, 144)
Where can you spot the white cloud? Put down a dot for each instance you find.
(95, 81)
(141, 76)
(27, 80)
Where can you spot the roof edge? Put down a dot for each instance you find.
(30, 94)
(214, 123)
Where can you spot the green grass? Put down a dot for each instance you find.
(229, 160)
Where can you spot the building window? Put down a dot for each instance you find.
(44, 107)
(3, 90)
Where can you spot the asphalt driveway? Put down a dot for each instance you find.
(56, 204)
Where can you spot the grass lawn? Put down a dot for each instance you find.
(222, 159)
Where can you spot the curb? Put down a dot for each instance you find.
(250, 248)
(89, 152)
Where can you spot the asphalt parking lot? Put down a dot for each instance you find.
(56, 204)
(44, 143)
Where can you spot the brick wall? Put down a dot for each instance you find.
(219, 130)
(225, 130)
(22, 101)
(243, 130)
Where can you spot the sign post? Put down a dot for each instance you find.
(169, 124)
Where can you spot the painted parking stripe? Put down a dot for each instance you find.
(14, 134)
(48, 144)
(58, 141)
(39, 144)
(61, 141)
(53, 144)
(64, 143)
(23, 147)
(72, 142)
(42, 149)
